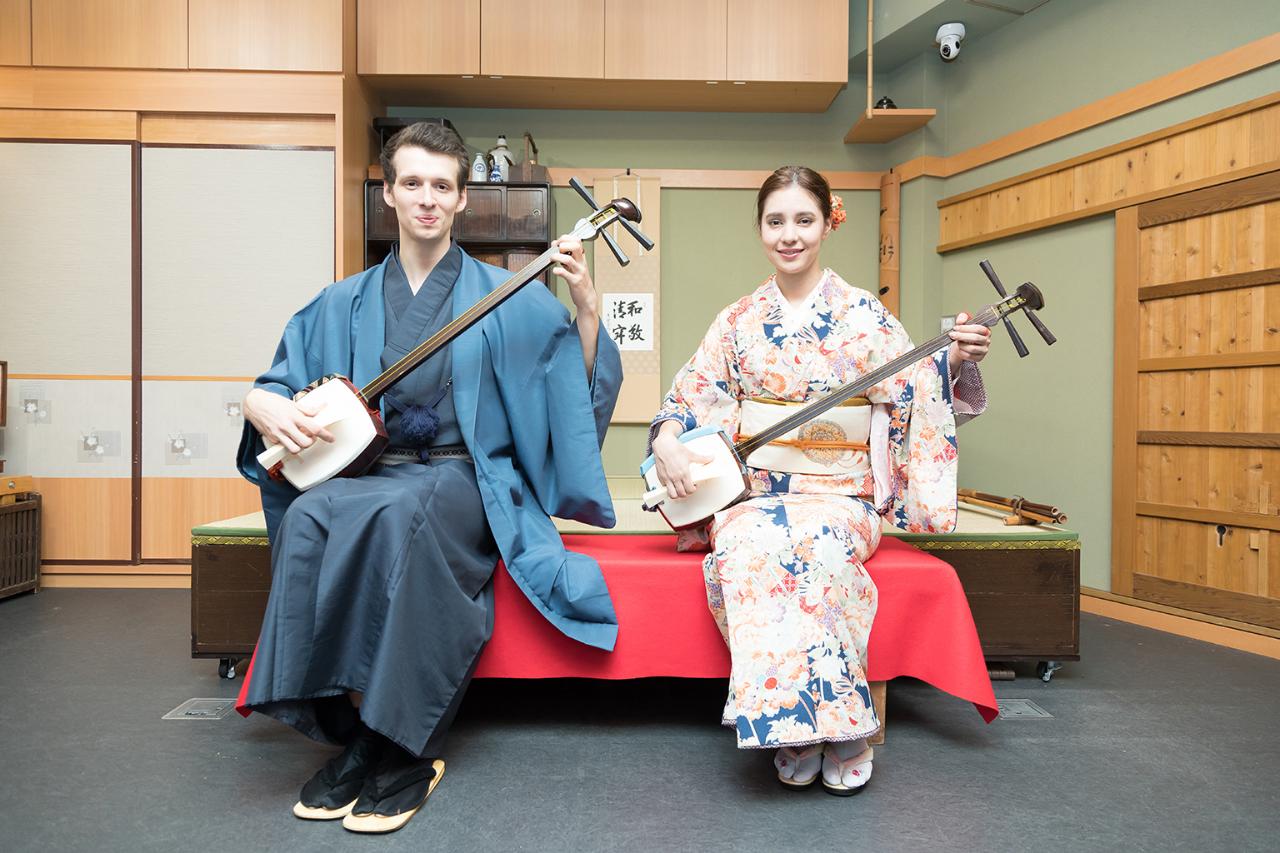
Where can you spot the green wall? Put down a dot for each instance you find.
(1048, 431)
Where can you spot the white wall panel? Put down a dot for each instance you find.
(194, 414)
(65, 257)
(233, 242)
(79, 417)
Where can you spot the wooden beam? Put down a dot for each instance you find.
(1216, 361)
(1211, 284)
(1253, 520)
(1239, 606)
(1210, 439)
(113, 125)
(1124, 412)
(1228, 196)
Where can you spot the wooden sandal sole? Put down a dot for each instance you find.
(375, 824)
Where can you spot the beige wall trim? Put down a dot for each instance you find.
(1242, 636)
(1215, 69)
(185, 129)
(720, 179)
(148, 377)
(87, 125)
(115, 377)
(116, 569)
(130, 581)
(170, 91)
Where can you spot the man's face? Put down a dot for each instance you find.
(426, 195)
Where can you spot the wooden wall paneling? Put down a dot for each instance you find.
(527, 38)
(109, 33)
(1125, 404)
(97, 125)
(255, 130)
(1178, 160)
(252, 35)
(85, 518)
(665, 40)
(810, 47)
(1217, 555)
(15, 33)
(171, 506)
(412, 37)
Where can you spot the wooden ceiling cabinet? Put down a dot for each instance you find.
(665, 40)
(250, 35)
(109, 33)
(15, 32)
(543, 38)
(807, 43)
(417, 37)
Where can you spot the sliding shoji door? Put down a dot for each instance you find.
(66, 274)
(234, 240)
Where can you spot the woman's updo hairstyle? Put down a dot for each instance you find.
(806, 178)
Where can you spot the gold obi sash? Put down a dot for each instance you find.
(835, 442)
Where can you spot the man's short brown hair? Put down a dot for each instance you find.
(435, 138)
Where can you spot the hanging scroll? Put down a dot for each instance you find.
(629, 300)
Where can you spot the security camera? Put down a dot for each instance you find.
(948, 40)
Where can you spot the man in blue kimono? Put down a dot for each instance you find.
(381, 597)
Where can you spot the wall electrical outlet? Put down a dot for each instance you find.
(948, 323)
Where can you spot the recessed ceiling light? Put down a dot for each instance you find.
(468, 76)
(495, 76)
(713, 82)
(739, 82)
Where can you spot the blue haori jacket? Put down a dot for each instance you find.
(532, 422)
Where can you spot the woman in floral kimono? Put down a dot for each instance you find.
(785, 577)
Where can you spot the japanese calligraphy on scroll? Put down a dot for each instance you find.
(630, 300)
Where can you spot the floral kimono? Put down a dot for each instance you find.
(785, 578)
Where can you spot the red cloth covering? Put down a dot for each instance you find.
(923, 627)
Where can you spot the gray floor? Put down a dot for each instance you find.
(1156, 743)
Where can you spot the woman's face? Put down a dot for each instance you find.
(792, 230)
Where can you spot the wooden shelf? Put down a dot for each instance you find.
(886, 125)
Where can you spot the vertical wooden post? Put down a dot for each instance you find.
(870, 7)
(890, 197)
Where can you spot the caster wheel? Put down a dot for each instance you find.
(227, 668)
(1046, 668)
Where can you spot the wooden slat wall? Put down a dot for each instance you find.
(1198, 330)
(1240, 141)
(171, 506)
